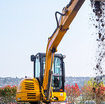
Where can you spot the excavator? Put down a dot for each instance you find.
(47, 85)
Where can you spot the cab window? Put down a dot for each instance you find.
(57, 66)
(37, 67)
(57, 73)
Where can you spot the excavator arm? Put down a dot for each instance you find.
(39, 88)
(66, 17)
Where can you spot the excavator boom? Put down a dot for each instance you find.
(66, 17)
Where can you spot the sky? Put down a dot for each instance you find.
(25, 26)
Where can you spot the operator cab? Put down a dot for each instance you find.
(58, 77)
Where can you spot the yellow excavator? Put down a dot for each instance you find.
(49, 70)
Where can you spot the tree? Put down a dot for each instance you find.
(94, 90)
(7, 94)
(72, 92)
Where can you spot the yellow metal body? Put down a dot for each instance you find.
(60, 95)
(28, 91)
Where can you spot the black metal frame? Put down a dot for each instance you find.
(41, 55)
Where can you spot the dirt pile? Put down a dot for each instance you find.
(98, 19)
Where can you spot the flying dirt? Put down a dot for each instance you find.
(98, 8)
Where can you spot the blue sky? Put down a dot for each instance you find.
(25, 26)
